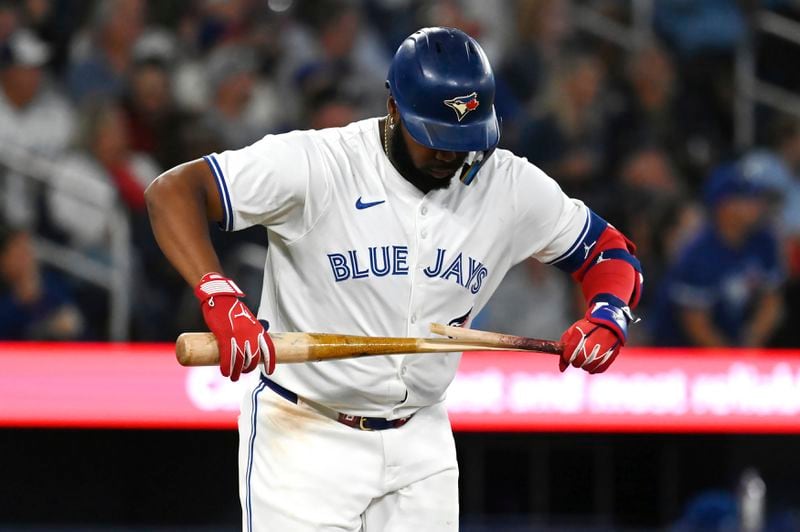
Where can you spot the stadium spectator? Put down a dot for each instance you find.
(723, 289)
(329, 109)
(198, 31)
(232, 79)
(221, 23)
(155, 125)
(777, 165)
(35, 303)
(542, 28)
(646, 112)
(55, 22)
(488, 22)
(101, 176)
(102, 179)
(703, 37)
(233, 47)
(34, 116)
(101, 56)
(566, 137)
(332, 45)
(650, 203)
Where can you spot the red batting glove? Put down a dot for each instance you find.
(241, 338)
(593, 342)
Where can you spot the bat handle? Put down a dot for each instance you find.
(197, 349)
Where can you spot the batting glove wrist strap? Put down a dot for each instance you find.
(214, 284)
(611, 312)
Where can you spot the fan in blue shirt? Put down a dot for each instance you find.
(723, 289)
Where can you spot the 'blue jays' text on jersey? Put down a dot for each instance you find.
(357, 249)
(727, 282)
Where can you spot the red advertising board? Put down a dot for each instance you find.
(646, 390)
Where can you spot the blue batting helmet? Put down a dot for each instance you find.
(444, 89)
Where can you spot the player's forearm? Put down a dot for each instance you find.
(700, 329)
(177, 207)
(764, 320)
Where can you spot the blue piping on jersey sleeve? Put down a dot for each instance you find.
(579, 251)
(222, 188)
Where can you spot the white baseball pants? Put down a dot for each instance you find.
(301, 471)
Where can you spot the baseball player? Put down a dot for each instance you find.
(379, 228)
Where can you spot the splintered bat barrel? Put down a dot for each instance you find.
(200, 349)
(499, 340)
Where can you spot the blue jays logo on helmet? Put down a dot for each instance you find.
(462, 105)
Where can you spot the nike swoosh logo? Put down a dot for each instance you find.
(361, 205)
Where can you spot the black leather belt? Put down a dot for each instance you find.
(356, 422)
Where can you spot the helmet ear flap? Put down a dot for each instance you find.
(473, 163)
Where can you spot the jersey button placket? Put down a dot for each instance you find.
(422, 235)
(423, 210)
(426, 216)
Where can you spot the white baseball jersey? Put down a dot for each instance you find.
(354, 248)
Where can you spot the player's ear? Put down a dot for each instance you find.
(391, 107)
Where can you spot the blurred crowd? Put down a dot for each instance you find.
(113, 92)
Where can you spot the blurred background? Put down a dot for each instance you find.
(676, 120)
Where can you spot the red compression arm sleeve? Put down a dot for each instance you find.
(610, 275)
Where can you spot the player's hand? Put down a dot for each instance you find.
(241, 338)
(592, 343)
